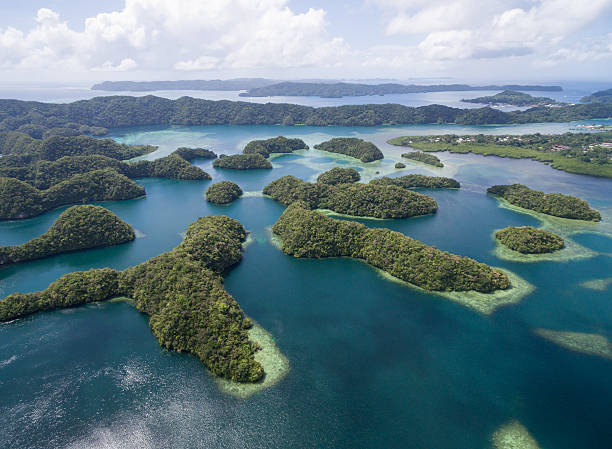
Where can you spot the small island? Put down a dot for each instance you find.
(338, 175)
(529, 240)
(181, 291)
(223, 192)
(191, 154)
(242, 162)
(419, 156)
(351, 146)
(400, 165)
(77, 228)
(20, 200)
(555, 204)
(419, 181)
(278, 144)
(355, 199)
(310, 234)
(512, 98)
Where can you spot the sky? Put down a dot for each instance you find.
(418, 40)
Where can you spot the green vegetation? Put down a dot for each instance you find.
(429, 159)
(419, 181)
(337, 90)
(114, 112)
(181, 291)
(362, 200)
(529, 240)
(338, 175)
(20, 200)
(513, 98)
(581, 153)
(77, 228)
(190, 154)
(242, 162)
(555, 204)
(307, 233)
(602, 96)
(400, 165)
(223, 192)
(351, 146)
(278, 144)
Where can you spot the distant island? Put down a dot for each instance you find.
(602, 96)
(223, 192)
(77, 228)
(338, 90)
(274, 145)
(352, 146)
(307, 233)
(360, 200)
(582, 153)
(425, 158)
(512, 98)
(149, 86)
(181, 291)
(555, 204)
(114, 112)
(242, 162)
(529, 240)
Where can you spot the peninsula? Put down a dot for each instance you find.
(77, 228)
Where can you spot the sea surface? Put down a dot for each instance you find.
(374, 364)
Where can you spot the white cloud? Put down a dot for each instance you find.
(177, 34)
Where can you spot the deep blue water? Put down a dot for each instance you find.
(373, 363)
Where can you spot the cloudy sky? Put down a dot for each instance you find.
(465, 40)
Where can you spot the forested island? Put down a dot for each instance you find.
(361, 200)
(419, 156)
(602, 96)
(400, 165)
(148, 86)
(582, 153)
(115, 112)
(352, 146)
(20, 200)
(529, 240)
(191, 154)
(181, 291)
(223, 192)
(242, 162)
(555, 204)
(77, 228)
(338, 90)
(308, 233)
(418, 181)
(339, 175)
(512, 98)
(279, 144)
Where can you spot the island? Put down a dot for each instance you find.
(181, 291)
(223, 192)
(338, 175)
(512, 98)
(555, 204)
(529, 240)
(355, 199)
(148, 86)
(77, 228)
(582, 153)
(339, 89)
(418, 181)
(419, 156)
(400, 165)
(602, 96)
(310, 234)
(353, 147)
(242, 162)
(116, 112)
(278, 144)
(20, 200)
(191, 154)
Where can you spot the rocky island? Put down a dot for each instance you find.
(428, 159)
(278, 144)
(242, 162)
(338, 175)
(353, 147)
(223, 192)
(529, 240)
(413, 181)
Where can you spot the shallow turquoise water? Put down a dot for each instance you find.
(373, 363)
